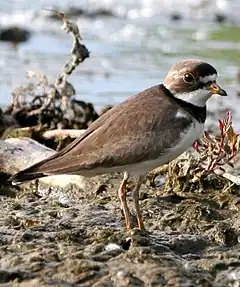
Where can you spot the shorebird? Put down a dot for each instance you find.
(144, 132)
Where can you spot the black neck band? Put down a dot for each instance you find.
(199, 113)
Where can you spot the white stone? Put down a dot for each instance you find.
(19, 153)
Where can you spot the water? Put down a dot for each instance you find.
(128, 53)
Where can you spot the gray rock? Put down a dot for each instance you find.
(19, 153)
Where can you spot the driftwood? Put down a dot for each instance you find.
(62, 134)
(233, 178)
(52, 105)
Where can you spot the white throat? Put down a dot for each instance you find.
(198, 97)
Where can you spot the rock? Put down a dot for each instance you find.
(100, 13)
(105, 109)
(238, 76)
(79, 12)
(175, 17)
(14, 34)
(63, 113)
(220, 18)
(2, 125)
(79, 114)
(19, 153)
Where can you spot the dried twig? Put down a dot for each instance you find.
(62, 134)
(52, 105)
(78, 54)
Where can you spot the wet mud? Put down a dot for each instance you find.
(191, 239)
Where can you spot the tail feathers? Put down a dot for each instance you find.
(25, 175)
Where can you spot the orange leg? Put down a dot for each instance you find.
(135, 196)
(122, 197)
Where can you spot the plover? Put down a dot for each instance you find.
(144, 132)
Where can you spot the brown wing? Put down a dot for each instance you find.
(128, 133)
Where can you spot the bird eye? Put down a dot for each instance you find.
(188, 78)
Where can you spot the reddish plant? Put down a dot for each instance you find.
(217, 151)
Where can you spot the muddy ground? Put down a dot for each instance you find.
(192, 238)
(80, 239)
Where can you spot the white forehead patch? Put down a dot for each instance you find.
(209, 78)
